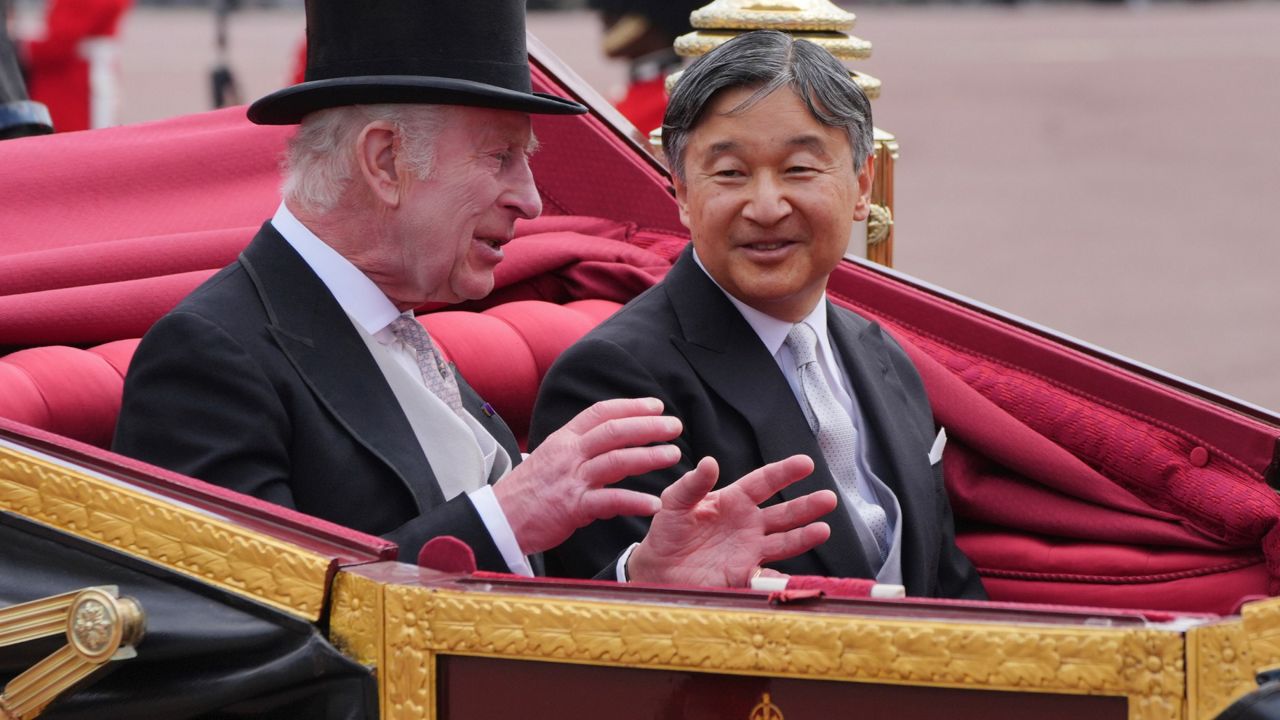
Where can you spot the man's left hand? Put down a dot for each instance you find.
(720, 539)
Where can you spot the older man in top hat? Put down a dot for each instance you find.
(298, 374)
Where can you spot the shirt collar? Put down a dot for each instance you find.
(772, 331)
(358, 296)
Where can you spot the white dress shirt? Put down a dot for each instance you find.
(370, 310)
(773, 333)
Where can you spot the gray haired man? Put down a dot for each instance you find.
(770, 145)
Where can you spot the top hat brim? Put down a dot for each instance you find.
(290, 105)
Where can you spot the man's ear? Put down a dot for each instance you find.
(376, 149)
(682, 199)
(866, 178)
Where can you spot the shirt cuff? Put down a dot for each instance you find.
(622, 562)
(495, 521)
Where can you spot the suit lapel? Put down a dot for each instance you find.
(317, 337)
(723, 349)
(883, 402)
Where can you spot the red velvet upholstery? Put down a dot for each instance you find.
(1068, 476)
(504, 352)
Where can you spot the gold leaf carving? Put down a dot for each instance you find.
(1219, 657)
(648, 637)
(197, 544)
(1145, 665)
(971, 654)
(1079, 666)
(868, 651)
(1262, 624)
(1029, 662)
(356, 619)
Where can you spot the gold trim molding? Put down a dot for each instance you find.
(1262, 627)
(186, 540)
(1143, 664)
(355, 625)
(1222, 668)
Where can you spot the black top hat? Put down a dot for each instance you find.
(449, 52)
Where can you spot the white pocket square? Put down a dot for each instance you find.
(940, 442)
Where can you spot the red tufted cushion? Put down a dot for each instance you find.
(505, 351)
(71, 392)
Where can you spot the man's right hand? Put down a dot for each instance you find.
(562, 485)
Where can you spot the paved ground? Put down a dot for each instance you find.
(1109, 171)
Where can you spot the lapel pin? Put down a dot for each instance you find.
(488, 410)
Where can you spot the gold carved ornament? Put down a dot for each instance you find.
(1220, 667)
(100, 627)
(765, 710)
(1144, 665)
(184, 539)
(879, 223)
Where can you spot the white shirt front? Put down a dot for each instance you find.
(773, 333)
(370, 309)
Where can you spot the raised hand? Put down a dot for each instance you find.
(719, 539)
(562, 485)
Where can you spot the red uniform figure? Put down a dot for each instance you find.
(72, 68)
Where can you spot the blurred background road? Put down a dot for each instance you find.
(1108, 170)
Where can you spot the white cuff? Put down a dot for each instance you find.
(495, 521)
(622, 562)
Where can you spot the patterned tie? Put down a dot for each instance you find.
(837, 437)
(437, 376)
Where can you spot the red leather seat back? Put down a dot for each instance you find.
(65, 390)
(503, 352)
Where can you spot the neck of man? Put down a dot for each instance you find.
(352, 233)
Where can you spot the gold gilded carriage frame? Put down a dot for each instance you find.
(386, 618)
(403, 622)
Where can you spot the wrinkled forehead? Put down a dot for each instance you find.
(488, 126)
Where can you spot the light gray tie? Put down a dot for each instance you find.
(437, 376)
(837, 437)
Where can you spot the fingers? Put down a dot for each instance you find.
(765, 482)
(785, 545)
(800, 511)
(606, 410)
(614, 465)
(692, 487)
(612, 502)
(629, 432)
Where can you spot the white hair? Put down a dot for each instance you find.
(319, 162)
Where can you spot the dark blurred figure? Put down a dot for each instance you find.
(642, 31)
(73, 68)
(19, 116)
(223, 82)
(1261, 704)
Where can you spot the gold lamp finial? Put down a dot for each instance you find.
(785, 15)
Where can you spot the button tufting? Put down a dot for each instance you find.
(1199, 456)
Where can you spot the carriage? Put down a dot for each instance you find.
(1124, 521)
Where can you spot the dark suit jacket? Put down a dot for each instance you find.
(684, 343)
(258, 382)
